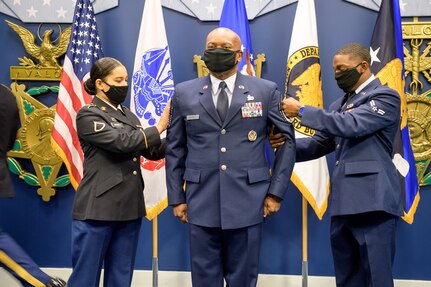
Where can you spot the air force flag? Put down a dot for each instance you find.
(152, 87)
(387, 62)
(234, 17)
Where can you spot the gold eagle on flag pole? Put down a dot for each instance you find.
(47, 53)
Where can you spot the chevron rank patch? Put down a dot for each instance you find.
(98, 126)
(375, 108)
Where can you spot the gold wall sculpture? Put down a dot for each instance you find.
(47, 53)
(417, 65)
(33, 143)
(33, 140)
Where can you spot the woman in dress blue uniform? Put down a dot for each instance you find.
(109, 203)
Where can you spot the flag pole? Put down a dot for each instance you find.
(304, 243)
(155, 253)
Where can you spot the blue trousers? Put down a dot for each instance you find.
(363, 249)
(232, 255)
(111, 244)
(15, 260)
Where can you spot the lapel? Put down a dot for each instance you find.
(238, 98)
(112, 113)
(370, 87)
(358, 99)
(206, 100)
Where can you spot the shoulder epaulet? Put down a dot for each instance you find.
(90, 105)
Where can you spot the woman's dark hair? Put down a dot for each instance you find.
(100, 69)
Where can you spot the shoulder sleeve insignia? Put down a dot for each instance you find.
(376, 109)
(98, 126)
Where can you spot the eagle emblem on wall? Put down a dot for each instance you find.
(47, 52)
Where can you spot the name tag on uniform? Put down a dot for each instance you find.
(252, 110)
(192, 117)
(117, 125)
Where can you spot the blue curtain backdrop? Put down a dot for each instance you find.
(43, 228)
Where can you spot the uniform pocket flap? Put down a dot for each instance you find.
(258, 174)
(192, 175)
(108, 183)
(361, 167)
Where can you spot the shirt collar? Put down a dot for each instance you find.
(111, 105)
(230, 83)
(364, 84)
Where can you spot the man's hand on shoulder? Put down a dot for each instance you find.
(291, 107)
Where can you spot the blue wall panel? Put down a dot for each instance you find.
(43, 228)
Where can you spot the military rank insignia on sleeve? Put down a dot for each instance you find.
(376, 109)
(98, 126)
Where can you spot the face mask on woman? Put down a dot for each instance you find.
(116, 94)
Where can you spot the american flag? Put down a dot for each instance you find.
(83, 50)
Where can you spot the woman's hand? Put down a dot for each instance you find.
(163, 123)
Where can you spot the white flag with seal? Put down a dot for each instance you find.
(303, 81)
(152, 87)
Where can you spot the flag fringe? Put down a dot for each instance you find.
(157, 209)
(409, 217)
(62, 155)
(320, 211)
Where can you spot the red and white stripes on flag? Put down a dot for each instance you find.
(83, 50)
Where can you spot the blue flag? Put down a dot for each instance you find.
(387, 62)
(234, 17)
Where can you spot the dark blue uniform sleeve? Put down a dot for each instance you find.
(95, 130)
(380, 111)
(314, 147)
(285, 155)
(176, 153)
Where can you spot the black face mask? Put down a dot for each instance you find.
(116, 94)
(220, 60)
(348, 78)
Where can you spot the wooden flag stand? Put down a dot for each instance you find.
(304, 243)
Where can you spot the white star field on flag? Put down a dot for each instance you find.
(205, 10)
(48, 11)
(85, 41)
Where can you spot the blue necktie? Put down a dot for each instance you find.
(222, 101)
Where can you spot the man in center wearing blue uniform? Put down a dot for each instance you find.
(216, 145)
(366, 198)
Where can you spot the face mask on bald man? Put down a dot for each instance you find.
(220, 60)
